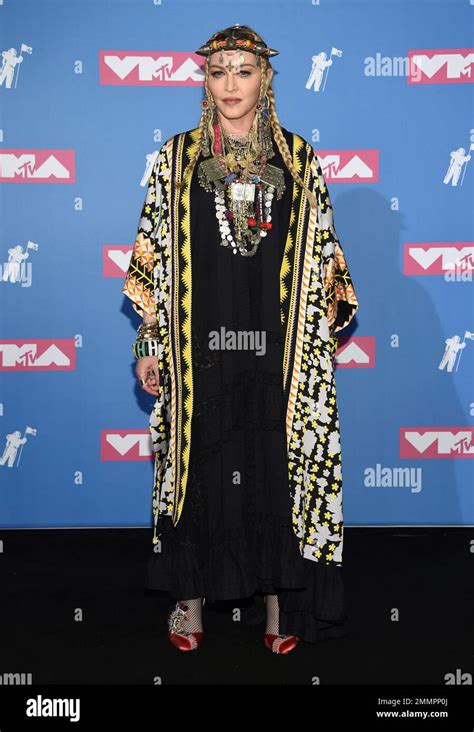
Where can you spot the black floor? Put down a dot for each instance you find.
(51, 578)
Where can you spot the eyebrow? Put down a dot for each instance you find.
(218, 66)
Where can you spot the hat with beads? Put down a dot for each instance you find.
(236, 38)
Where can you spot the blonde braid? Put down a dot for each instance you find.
(210, 126)
(206, 118)
(283, 147)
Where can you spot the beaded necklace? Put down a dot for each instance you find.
(244, 186)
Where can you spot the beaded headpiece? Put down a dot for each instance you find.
(236, 170)
(236, 38)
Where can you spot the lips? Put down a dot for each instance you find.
(231, 100)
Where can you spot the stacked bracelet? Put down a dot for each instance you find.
(147, 330)
(146, 343)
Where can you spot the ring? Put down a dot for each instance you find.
(141, 382)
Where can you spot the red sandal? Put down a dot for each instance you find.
(281, 643)
(179, 638)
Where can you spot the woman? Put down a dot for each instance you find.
(242, 283)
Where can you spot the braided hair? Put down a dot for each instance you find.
(266, 87)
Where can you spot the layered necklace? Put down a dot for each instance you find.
(244, 184)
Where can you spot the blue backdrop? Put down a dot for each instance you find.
(100, 86)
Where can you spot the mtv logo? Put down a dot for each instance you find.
(357, 352)
(349, 166)
(37, 166)
(440, 66)
(150, 68)
(436, 442)
(437, 258)
(126, 445)
(38, 354)
(116, 260)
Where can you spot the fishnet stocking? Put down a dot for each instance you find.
(271, 602)
(191, 621)
(283, 643)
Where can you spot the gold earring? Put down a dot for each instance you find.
(209, 112)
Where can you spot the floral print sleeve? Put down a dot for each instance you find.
(141, 277)
(341, 299)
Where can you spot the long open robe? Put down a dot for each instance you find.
(317, 300)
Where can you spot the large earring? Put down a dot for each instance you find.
(263, 127)
(209, 111)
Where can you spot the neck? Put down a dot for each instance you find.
(237, 126)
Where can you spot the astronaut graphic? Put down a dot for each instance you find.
(11, 270)
(458, 159)
(320, 64)
(14, 441)
(9, 63)
(453, 346)
(14, 446)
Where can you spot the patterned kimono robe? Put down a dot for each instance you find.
(317, 299)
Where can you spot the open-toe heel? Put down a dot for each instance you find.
(184, 641)
(280, 643)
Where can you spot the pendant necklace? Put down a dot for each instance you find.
(244, 186)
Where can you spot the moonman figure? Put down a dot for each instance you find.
(10, 60)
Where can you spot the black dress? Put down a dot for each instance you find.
(235, 535)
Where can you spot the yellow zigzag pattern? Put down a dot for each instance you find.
(299, 314)
(185, 312)
(291, 258)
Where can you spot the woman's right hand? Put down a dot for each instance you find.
(146, 370)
